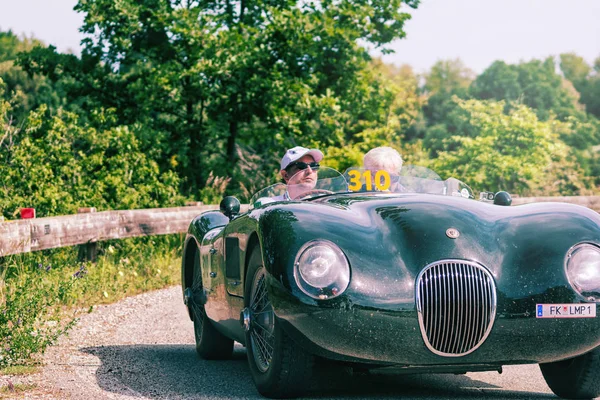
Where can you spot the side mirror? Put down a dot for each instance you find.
(502, 199)
(230, 206)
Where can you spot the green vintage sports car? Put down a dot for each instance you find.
(419, 278)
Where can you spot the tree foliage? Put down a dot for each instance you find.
(387, 120)
(56, 166)
(512, 151)
(446, 79)
(203, 97)
(27, 92)
(534, 84)
(585, 78)
(204, 78)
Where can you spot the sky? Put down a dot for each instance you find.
(476, 31)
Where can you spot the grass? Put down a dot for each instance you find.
(10, 390)
(115, 276)
(42, 293)
(20, 370)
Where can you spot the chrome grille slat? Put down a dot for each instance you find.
(455, 309)
(447, 325)
(459, 284)
(482, 310)
(475, 310)
(472, 309)
(456, 303)
(446, 290)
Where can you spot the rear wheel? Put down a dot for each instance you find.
(575, 378)
(279, 367)
(210, 343)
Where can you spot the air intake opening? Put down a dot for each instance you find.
(456, 304)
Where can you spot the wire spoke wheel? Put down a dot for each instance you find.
(279, 367)
(262, 326)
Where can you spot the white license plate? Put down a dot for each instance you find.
(583, 310)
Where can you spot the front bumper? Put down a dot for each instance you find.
(368, 335)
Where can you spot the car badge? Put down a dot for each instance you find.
(452, 233)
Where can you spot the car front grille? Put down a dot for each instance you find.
(456, 304)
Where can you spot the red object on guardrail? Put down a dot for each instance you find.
(27, 213)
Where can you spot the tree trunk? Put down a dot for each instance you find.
(231, 156)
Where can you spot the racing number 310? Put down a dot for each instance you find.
(382, 180)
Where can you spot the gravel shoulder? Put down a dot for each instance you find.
(143, 348)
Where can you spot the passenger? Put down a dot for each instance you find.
(385, 159)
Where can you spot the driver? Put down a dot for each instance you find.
(299, 168)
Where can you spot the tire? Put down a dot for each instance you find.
(575, 378)
(286, 370)
(210, 343)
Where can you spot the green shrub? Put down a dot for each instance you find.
(42, 293)
(31, 317)
(56, 164)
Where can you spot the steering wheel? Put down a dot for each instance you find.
(313, 192)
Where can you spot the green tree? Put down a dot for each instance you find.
(27, 92)
(11, 45)
(534, 84)
(448, 75)
(585, 79)
(387, 121)
(446, 79)
(512, 151)
(56, 165)
(208, 81)
(575, 69)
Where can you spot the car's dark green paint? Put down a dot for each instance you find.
(388, 240)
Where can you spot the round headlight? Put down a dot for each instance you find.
(322, 270)
(583, 269)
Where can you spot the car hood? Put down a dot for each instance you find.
(390, 238)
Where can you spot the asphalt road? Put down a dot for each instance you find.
(142, 348)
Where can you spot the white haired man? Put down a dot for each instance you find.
(385, 159)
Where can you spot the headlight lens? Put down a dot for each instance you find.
(583, 269)
(322, 270)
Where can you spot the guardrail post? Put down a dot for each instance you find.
(88, 251)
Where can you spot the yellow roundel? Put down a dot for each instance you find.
(381, 181)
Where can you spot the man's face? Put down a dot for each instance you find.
(295, 175)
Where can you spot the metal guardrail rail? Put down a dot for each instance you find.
(26, 235)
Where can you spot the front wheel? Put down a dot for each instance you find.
(575, 378)
(279, 367)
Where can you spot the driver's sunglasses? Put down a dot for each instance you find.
(302, 165)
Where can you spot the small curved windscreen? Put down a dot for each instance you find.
(305, 184)
(310, 183)
(410, 179)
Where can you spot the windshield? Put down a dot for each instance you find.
(307, 184)
(411, 179)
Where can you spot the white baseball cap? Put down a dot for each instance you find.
(297, 153)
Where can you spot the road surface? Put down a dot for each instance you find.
(143, 348)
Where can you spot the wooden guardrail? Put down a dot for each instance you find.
(592, 202)
(23, 236)
(27, 235)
